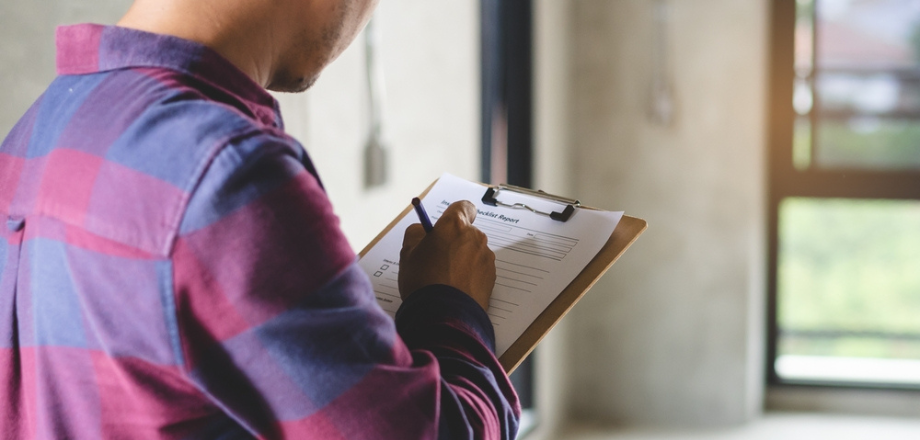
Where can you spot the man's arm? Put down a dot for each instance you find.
(280, 327)
(448, 324)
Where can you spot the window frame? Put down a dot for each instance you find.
(507, 130)
(784, 180)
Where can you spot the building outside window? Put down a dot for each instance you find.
(845, 193)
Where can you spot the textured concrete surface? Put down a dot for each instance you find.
(673, 334)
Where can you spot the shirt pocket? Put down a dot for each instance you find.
(11, 240)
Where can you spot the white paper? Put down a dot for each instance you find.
(536, 257)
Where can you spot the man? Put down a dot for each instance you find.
(171, 266)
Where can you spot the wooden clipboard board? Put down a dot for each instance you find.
(627, 231)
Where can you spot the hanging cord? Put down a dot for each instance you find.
(375, 152)
(661, 109)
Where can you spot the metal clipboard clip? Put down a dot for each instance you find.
(491, 198)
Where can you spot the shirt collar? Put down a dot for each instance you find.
(91, 48)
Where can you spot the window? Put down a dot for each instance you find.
(845, 193)
(507, 129)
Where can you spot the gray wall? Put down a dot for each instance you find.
(672, 335)
(27, 46)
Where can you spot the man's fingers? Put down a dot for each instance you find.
(462, 210)
(414, 234)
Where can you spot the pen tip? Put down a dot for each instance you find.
(416, 201)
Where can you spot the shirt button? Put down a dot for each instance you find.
(15, 224)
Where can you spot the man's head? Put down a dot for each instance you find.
(281, 44)
(329, 26)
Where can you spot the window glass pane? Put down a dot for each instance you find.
(867, 83)
(801, 143)
(849, 289)
(868, 33)
(804, 38)
(803, 93)
(868, 142)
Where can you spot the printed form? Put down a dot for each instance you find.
(535, 257)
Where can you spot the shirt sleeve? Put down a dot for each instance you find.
(280, 329)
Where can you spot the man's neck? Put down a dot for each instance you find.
(233, 32)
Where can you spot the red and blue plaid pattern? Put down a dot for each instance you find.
(172, 268)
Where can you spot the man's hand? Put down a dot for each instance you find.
(454, 253)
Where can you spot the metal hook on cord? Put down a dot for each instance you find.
(375, 151)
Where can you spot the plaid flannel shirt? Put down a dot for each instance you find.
(171, 267)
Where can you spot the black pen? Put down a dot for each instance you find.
(422, 215)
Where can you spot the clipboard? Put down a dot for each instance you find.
(624, 235)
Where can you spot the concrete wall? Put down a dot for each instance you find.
(673, 334)
(27, 46)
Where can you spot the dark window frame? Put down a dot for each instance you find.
(507, 120)
(784, 180)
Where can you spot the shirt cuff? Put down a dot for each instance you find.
(439, 304)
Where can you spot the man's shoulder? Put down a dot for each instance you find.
(176, 149)
(134, 144)
(178, 134)
(174, 143)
